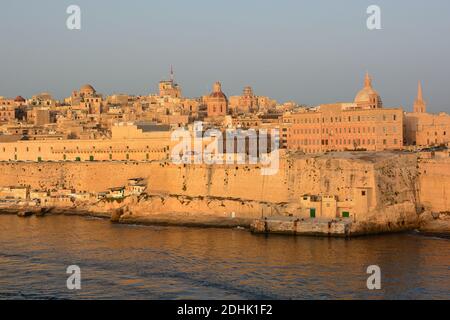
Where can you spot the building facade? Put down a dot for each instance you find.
(129, 142)
(361, 125)
(424, 129)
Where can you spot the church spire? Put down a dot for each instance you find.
(368, 81)
(419, 105)
(419, 92)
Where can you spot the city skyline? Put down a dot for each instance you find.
(288, 51)
(171, 78)
(206, 151)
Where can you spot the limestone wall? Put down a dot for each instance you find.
(397, 180)
(434, 184)
(296, 176)
(378, 179)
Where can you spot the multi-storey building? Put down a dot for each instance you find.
(425, 129)
(39, 116)
(139, 142)
(169, 88)
(7, 110)
(361, 125)
(248, 102)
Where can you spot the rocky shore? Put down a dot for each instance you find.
(373, 193)
(24, 212)
(131, 211)
(435, 223)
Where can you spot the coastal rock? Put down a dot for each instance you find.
(435, 223)
(379, 192)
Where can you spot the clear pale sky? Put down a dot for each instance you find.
(309, 51)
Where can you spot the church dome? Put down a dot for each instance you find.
(19, 99)
(368, 95)
(217, 92)
(87, 88)
(218, 95)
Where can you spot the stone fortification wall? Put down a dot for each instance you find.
(384, 178)
(434, 184)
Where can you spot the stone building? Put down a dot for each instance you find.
(44, 99)
(133, 142)
(7, 110)
(217, 102)
(91, 100)
(39, 116)
(169, 88)
(361, 125)
(88, 99)
(425, 129)
(358, 202)
(245, 103)
(248, 102)
(118, 99)
(14, 192)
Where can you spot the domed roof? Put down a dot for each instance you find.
(87, 88)
(218, 95)
(217, 91)
(367, 93)
(19, 99)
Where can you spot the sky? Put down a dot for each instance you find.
(311, 52)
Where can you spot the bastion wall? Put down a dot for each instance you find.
(434, 184)
(387, 178)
